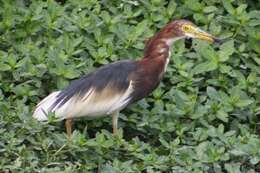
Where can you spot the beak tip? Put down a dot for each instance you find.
(218, 40)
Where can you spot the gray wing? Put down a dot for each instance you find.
(103, 91)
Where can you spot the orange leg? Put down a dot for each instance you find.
(114, 122)
(68, 124)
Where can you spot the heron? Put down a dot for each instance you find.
(110, 88)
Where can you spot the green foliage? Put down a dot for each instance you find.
(204, 117)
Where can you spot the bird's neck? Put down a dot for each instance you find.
(159, 47)
(157, 51)
(153, 65)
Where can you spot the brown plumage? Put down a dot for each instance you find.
(112, 87)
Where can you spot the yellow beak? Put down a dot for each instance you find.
(196, 32)
(206, 36)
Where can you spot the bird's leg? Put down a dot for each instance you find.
(68, 124)
(114, 121)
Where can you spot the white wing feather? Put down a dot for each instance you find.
(43, 107)
(88, 106)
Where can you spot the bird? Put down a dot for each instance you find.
(112, 87)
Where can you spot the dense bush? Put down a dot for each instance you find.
(204, 117)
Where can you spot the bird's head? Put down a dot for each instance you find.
(178, 29)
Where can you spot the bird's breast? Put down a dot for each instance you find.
(147, 77)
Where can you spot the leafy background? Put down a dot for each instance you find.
(204, 117)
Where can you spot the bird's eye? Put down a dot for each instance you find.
(186, 28)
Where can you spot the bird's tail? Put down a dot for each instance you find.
(43, 108)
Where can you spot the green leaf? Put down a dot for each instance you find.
(227, 5)
(241, 8)
(222, 115)
(255, 160)
(204, 67)
(209, 9)
(233, 167)
(244, 103)
(4, 67)
(194, 5)
(139, 29)
(171, 8)
(213, 94)
(206, 51)
(226, 50)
